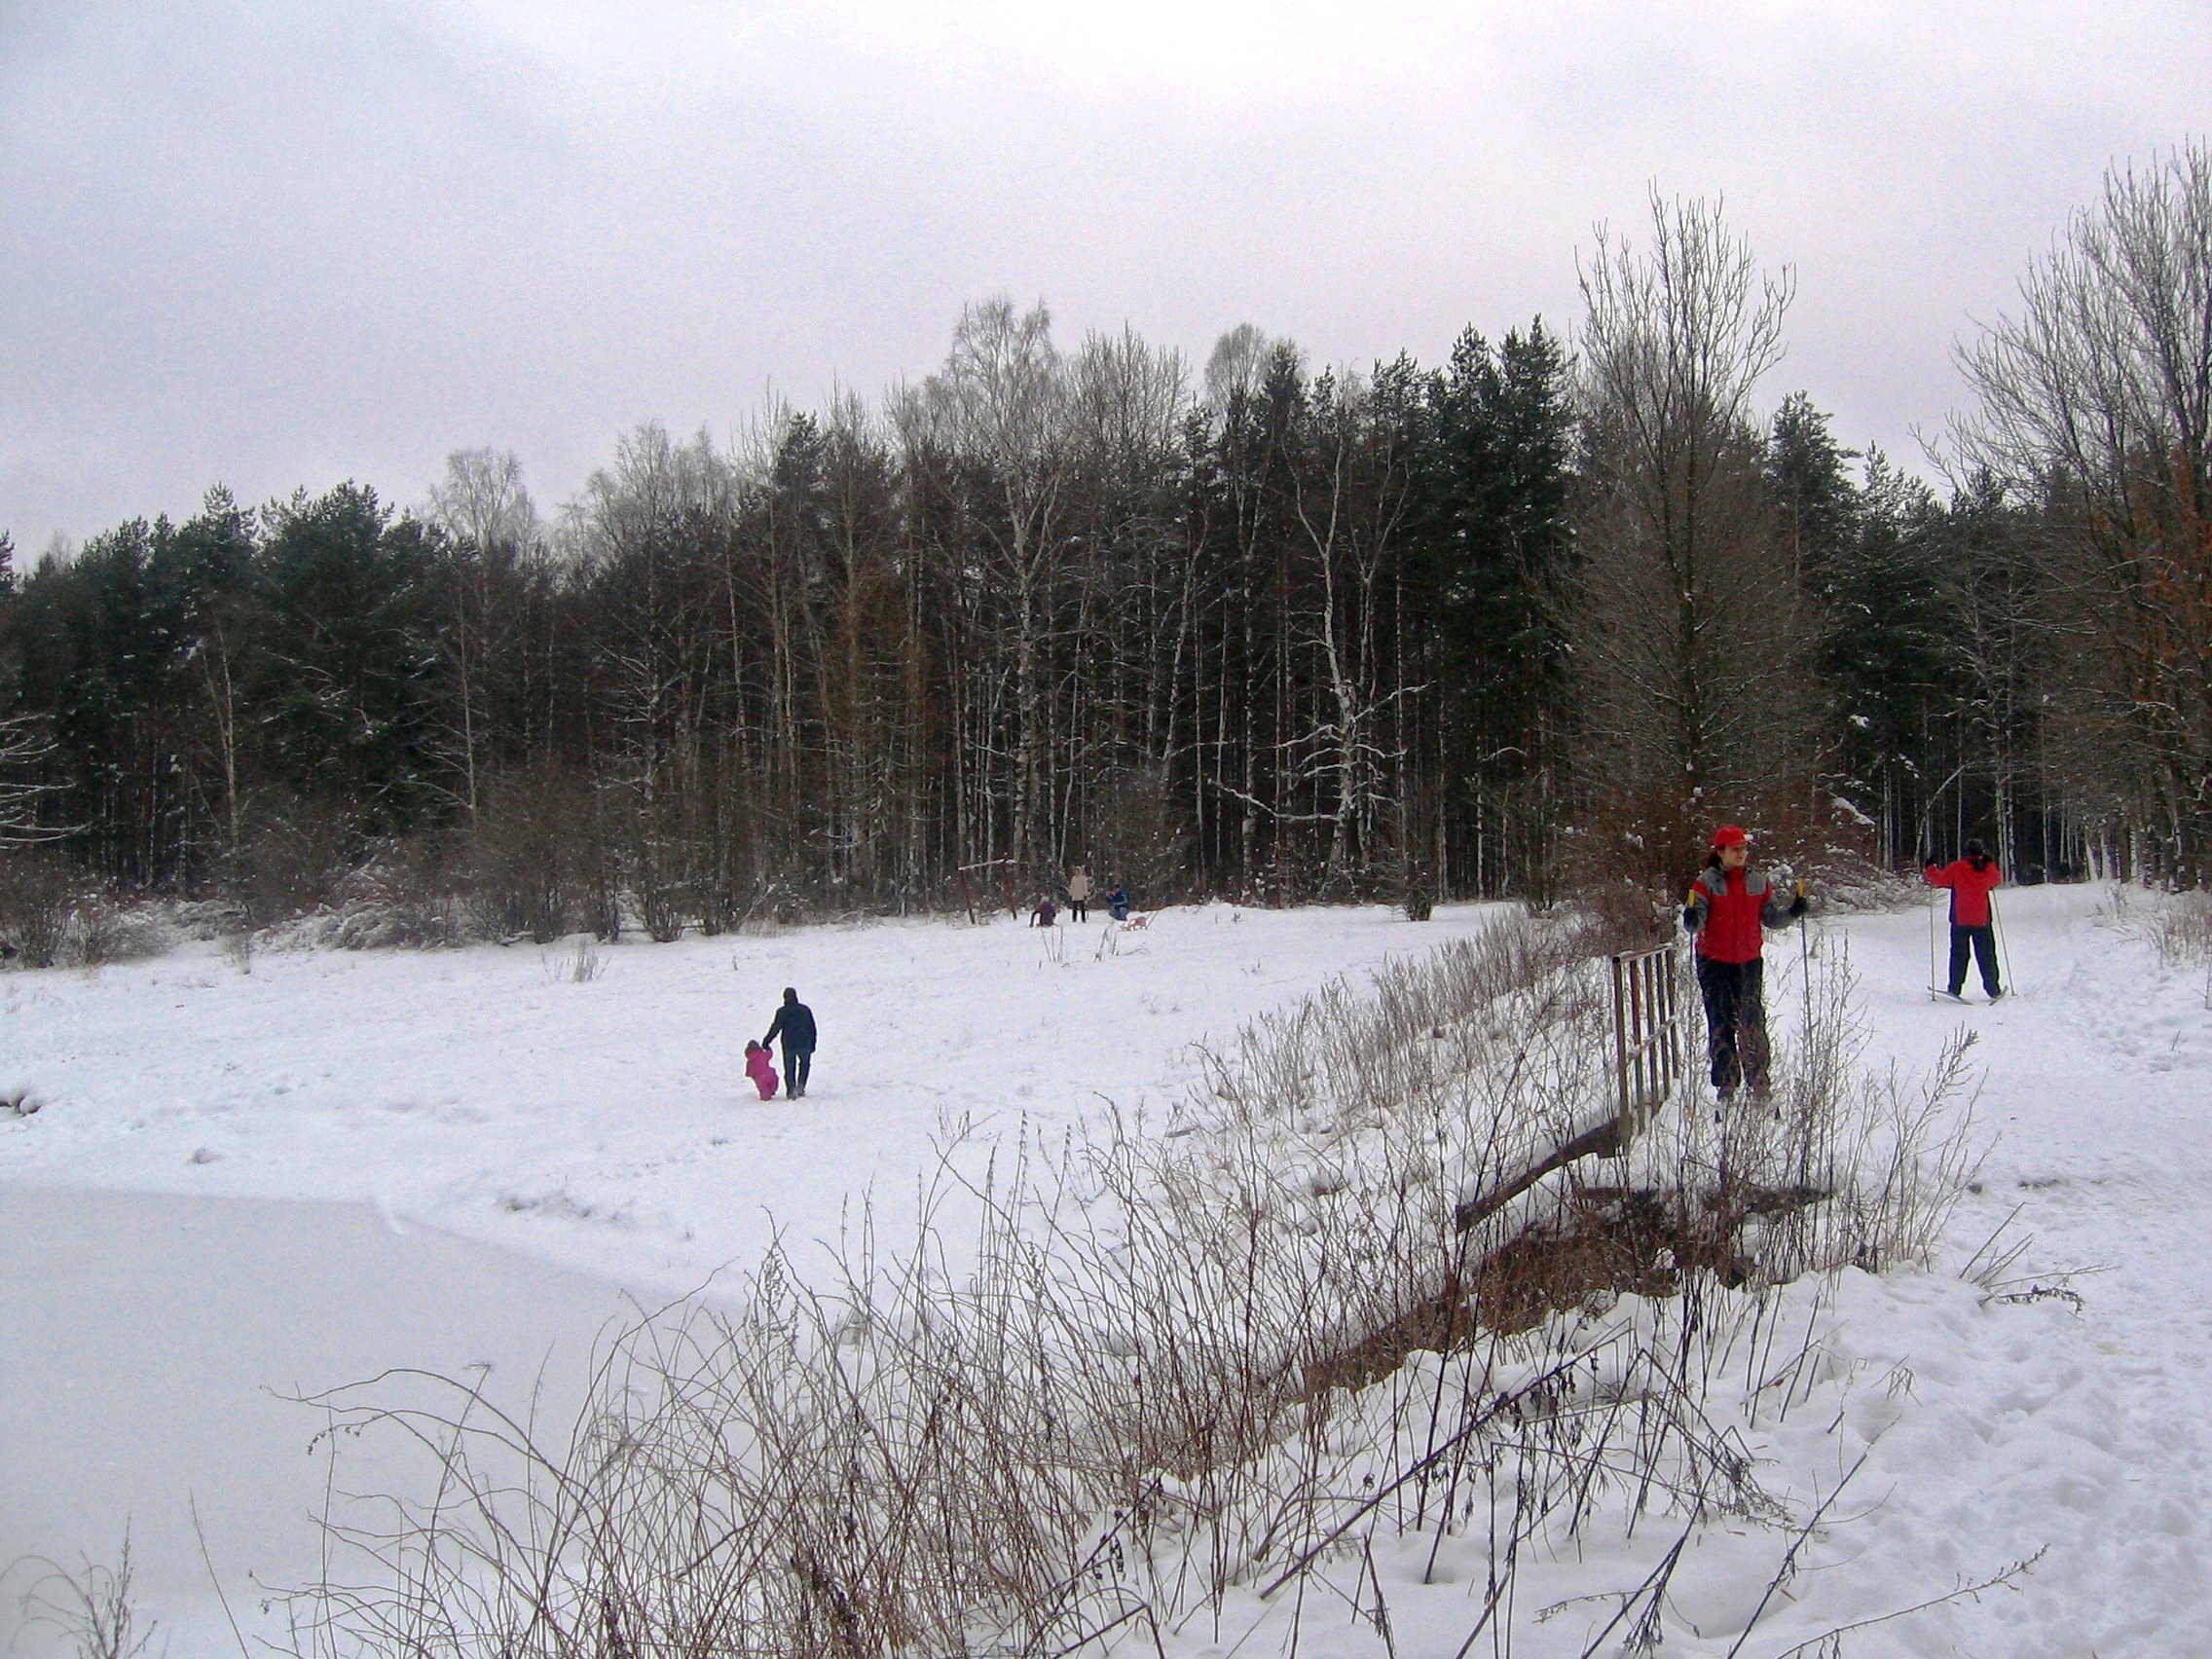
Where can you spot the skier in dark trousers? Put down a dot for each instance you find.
(794, 1023)
(1729, 904)
(1971, 880)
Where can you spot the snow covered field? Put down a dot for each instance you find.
(499, 1147)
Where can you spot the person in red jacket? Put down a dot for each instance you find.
(1729, 905)
(1969, 880)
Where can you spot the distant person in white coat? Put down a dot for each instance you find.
(1079, 892)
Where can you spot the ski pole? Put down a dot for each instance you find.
(1805, 969)
(2004, 953)
(1931, 945)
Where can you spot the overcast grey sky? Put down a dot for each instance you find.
(279, 243)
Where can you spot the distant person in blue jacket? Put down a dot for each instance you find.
(1118, 903)
(794, 1023)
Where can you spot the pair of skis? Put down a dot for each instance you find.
(2004, 956)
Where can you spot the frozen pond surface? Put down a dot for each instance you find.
(148, 1341)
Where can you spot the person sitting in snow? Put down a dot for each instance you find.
(761, 1067)
(1118, 903)
(794, 1023)
(1729, 904)
(1041, 916)
(1971, 880)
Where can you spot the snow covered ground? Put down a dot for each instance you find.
(472, 1150)
(607, 1126)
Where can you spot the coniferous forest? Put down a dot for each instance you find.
(1513, 624)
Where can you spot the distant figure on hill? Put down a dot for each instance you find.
(794, 1023)
(761, 1069)
(1118, 903)
(1971, 880)
(1079, 892)
(1041, 916)
(1729, 904)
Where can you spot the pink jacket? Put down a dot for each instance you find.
(762, 1071)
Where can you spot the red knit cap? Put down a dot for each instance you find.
(1729, 835)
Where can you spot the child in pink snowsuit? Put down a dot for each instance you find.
(761, 1069)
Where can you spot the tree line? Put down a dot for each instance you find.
(1527, 619)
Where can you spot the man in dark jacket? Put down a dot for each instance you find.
(1969, 880)
(794, 1023)
(1729, 904)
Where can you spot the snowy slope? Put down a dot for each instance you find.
(603, 1129)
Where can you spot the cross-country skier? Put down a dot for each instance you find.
(1969, 880)
(1729, 903)
(794, 1023)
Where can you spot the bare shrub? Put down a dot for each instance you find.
(290, 858)
(1623, 916)
(581, 966)
(538, 860)
(95, 933)
(1629, 872)
(1135, 836)
(49, 917)
(407, 894)
(37, 893)
(2178, 926)
(658, 889)
(724, 851)
(91, 1607)
(522, 877)
(100, 931)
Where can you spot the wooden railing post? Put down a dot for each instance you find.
(1647, 1048)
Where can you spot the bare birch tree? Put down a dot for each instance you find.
(1687, 620)
(24, 750)
(999, 406)
(491, 528)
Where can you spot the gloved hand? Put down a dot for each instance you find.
(1692, 916)
(1797, 905)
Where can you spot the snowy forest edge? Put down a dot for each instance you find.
(1522, 625)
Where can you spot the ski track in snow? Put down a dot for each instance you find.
(2031, 1427)
(606, 1129)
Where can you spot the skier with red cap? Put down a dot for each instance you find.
(1729, 905)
